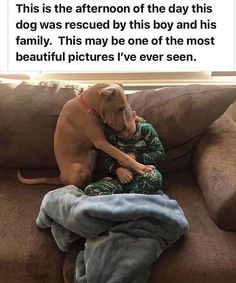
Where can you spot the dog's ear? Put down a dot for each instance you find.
(108, 91)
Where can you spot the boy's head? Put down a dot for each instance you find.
(131, 126)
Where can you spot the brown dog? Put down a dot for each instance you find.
(80, 128)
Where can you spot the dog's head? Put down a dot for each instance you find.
(113, 106)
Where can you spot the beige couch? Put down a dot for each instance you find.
(199, 172)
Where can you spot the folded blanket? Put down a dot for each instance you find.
(125, 233)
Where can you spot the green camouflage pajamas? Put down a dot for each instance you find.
(147, 149)
(150, 183)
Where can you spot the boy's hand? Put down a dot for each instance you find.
(124, 175)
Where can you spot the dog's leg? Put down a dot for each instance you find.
(76, 174)
(92, 156)
(109, 149)
(97, 137)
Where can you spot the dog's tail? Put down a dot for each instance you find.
(37, 181)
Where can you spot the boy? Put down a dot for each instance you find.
(139, 141)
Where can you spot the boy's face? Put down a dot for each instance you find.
(130, 130)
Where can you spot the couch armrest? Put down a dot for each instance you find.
(214, 164)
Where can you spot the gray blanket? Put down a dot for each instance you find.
(125, 233)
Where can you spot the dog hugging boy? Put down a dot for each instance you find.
(139, 141)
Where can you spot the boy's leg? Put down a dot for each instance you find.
(149, 183)
(106, 186)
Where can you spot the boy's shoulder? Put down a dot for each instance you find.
(145, 125)
(147, 129)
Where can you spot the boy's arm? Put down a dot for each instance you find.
(110, 163)
(155, 151)
(124, 175)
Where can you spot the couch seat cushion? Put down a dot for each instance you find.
(206, 254)
(27, 254)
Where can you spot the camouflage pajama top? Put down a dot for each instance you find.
(148, 150)
(145, 144)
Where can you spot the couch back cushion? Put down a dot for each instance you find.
(180, 115)
(29, 112)
(28, 116)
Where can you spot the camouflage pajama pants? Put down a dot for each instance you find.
(150, 183)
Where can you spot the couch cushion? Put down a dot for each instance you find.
(232, 111)
(28, 116)
(215, 169)
(27, 254)
(29, 112)
(6, 85)
(206, 254)
(179, 157)
(180, 115)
